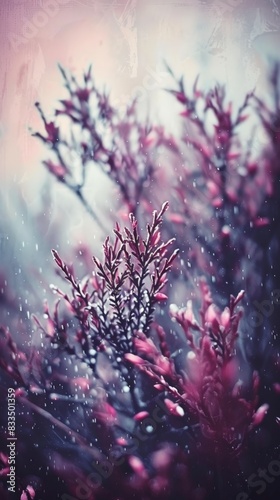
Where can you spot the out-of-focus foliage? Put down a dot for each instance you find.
(127, 395)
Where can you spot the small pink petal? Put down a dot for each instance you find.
(110, 410)
(239, 297)
(141, 415)
(261, 221)
(217, 202)
(56, 169)
(213, 188)
(211, 314)
(150, 140)
(20, 392)
(4, 472)
(180, 96)
(225, 317)
(137, 465)
(146, 347)
(29, 490)
(225, 231)
(160, 297)
(159, 387)
(121, 441)
(185, 113)
(259, 415)
(233, 156)
(132, 358)
(174, 408)
(81, 382)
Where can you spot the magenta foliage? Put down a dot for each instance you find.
(208, 387)
(110, 314)
(122, 147)
(223, 198)
(110, 354)
(119, 298)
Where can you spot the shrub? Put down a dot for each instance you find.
(129, 395)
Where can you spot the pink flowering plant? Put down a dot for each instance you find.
(119, 392)
(208, 387)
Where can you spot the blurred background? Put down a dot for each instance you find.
(127, 42)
